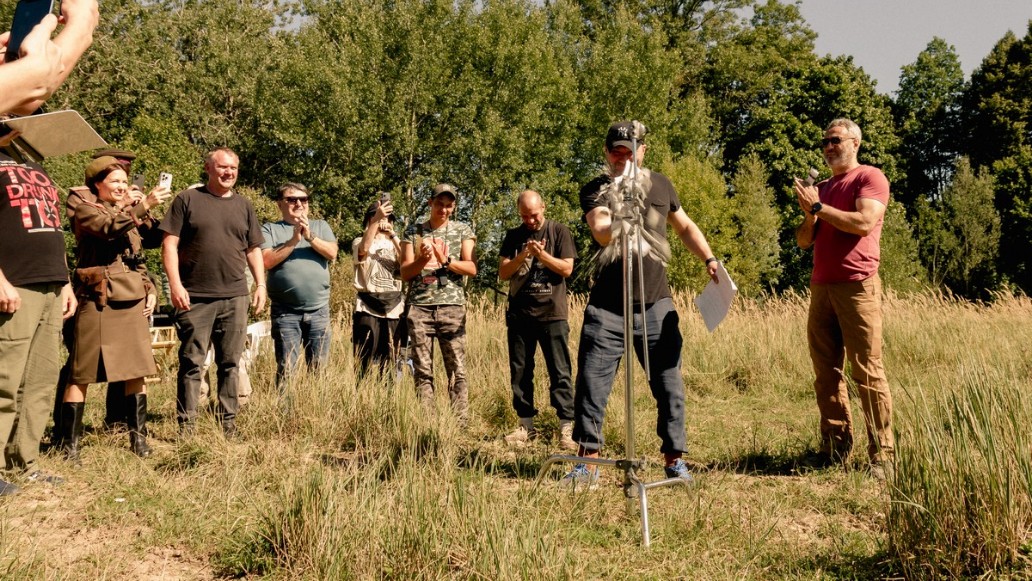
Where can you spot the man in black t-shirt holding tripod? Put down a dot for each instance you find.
(537, 257)
(602, 335)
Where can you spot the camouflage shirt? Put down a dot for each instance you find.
(436, 285)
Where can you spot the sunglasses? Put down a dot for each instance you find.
(833, 140)
(296, 200)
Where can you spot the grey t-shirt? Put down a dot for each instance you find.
(302, 280)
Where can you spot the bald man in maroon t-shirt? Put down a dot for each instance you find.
(842, 221)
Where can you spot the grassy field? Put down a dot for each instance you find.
(357, 481)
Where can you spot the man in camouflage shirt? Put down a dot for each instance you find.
(436, 254)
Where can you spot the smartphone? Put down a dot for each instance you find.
(27, 14)
(165, 180)
(138, 181)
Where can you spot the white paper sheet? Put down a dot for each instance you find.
(715, 300)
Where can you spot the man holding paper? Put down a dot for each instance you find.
(842, 221)
(602, 336)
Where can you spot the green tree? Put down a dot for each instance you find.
(900, 267)
(961, 234)
(998, 115)
(703, 195)
(927, 112)
(755, 258)
(773, 96)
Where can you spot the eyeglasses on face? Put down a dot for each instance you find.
(296, 199)
(834, 140)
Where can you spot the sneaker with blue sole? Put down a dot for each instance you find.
(679, 470)
(580, 478)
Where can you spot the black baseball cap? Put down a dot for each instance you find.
(620, 134)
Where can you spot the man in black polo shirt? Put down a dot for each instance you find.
(537, 257)
(211, 235)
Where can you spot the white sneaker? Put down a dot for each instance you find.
(581, 478)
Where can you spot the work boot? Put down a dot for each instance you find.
(523, 433)
(71, 429)
(135, 406)
(566, 436)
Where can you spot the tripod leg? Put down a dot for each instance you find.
(644, 503)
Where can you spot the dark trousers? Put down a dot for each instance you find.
(221, 323)
(375, 341)
(524, 335)
(602, 347)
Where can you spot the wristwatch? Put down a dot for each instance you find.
(816, 207)
(447, 262)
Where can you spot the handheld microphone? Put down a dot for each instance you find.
(810, 178)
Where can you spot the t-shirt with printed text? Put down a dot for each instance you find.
(536, 291)
(32, 248)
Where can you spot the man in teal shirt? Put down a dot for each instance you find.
(297, 252)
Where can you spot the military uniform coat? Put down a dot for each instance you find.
(112, 342)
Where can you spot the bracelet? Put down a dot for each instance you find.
(711, 259)
(260, 285)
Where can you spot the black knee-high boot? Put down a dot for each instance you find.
(136, 418)
(71, 429)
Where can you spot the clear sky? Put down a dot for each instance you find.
(884, 35)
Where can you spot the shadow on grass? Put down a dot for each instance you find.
(767, 464)
(521, 466)
(879, 566)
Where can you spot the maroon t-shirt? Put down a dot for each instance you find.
(840, 256)
(32, 249)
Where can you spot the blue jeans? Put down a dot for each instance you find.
(295, 332)
(601, 348)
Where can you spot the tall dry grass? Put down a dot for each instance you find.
(961, 504)
(354, 480)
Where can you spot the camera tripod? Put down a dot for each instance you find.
(629, 233)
